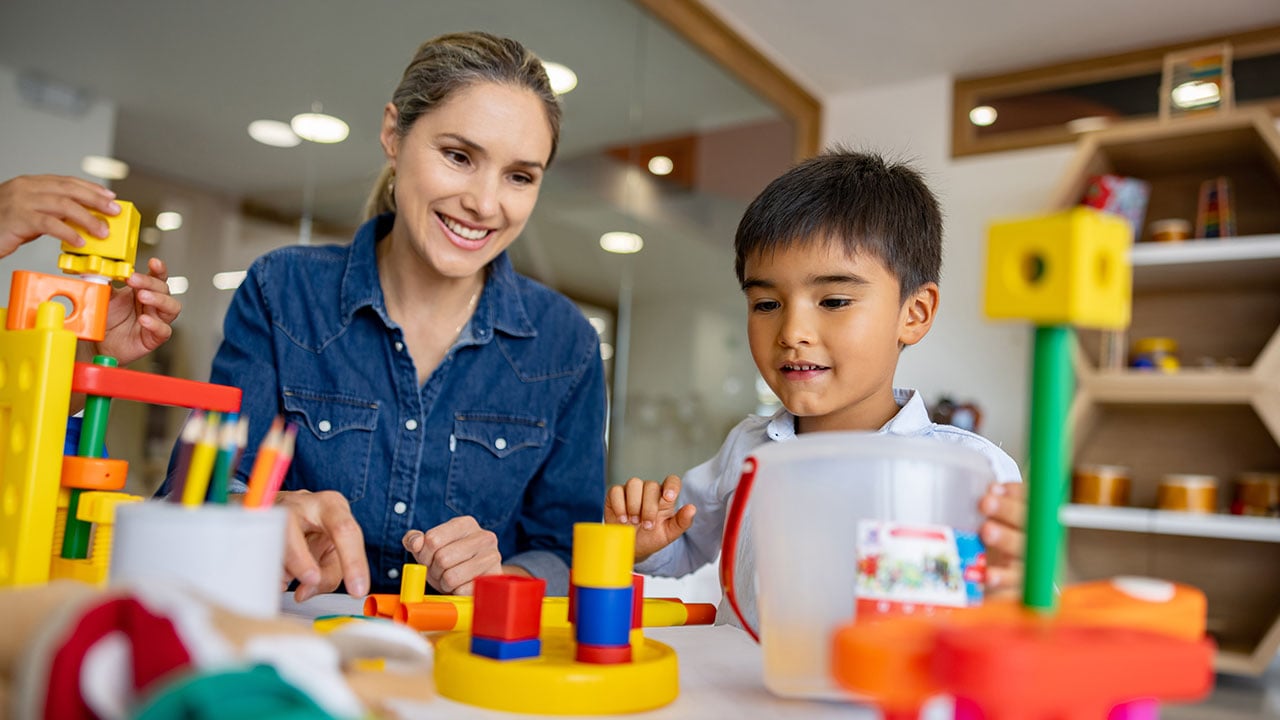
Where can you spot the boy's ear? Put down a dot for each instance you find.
(917, 314)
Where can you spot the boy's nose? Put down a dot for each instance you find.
(795, 330)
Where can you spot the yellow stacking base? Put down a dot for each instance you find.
(554, 684)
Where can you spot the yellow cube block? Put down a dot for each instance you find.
(1069, 268)
(121, 242)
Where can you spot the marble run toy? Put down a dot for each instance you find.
(602, 665)
(56, 510)
(1098, 648)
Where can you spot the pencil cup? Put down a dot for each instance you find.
(231, 555)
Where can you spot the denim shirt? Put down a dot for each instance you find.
(508, 429)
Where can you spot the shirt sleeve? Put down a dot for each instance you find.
(569, 488)
(245, 359)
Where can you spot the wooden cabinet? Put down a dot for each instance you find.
(1219, 414)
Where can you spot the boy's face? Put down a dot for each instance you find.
(825, 331)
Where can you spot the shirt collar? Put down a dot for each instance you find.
(911, 419)
(500, 307)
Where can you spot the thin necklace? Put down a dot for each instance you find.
(467, 314)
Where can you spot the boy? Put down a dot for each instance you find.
(839, 260)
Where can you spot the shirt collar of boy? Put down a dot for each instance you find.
(912, 418)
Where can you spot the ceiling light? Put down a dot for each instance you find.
(104, 168)
(319, 128)
(169, 220)
(1195, 94)
(228, 280)
(1088, 124)
(983, 115)
(178, 284)
(562, 78)
(661, 165)
(606, 351)
(149, 236)
(273, 133)
(598, 323)
(622, 243)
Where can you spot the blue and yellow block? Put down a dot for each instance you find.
(1068, 268)
(112, 256)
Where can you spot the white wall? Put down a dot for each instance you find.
(965, 356)
(40, 139)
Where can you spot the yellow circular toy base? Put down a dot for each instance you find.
(553, 683)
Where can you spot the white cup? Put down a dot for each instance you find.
(231, 555)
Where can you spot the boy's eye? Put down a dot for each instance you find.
(764, 305)
(835, 303)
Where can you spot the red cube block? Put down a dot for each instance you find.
(508, 607)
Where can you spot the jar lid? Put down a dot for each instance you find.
(1168, 224)
(1103, 470)
(1155, 344)
(1255, 477)
(1189, 480)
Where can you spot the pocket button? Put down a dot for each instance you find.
(500, 443)
(324, 426)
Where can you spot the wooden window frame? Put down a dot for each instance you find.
(967, 91)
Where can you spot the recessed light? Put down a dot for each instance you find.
(598, 323)
(178, 284)
(273, 133)
(1195, 94)
(606, 351)
(169, 220)
(623, 243)
(562, 78)
(661, 165)
(319, 128)
(228, 280)
(105, 168)
(983, 115)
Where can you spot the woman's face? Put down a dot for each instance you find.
(467, 175)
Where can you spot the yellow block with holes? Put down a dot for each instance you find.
(1069, 268)
(35, 388)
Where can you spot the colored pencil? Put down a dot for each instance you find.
(228, 446)
(281, 466)
(262, 464)
(187, 438)
(202, 458)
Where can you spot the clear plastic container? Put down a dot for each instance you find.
(818, 503)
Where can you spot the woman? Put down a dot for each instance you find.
(446, 405)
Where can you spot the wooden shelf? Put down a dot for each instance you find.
(1186, 386)
(1162, 522)
(1252, 261)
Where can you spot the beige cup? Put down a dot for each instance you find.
(1257, 493)
(1170, 230)
(1188, 493)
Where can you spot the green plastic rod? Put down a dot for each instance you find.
(93, 435)
(1052, 387)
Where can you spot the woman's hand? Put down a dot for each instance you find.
(456, 553)
(323, 544)
(35, 205)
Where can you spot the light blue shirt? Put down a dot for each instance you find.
(710, 487)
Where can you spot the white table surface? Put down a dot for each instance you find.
(721, 677)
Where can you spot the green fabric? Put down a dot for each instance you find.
(258, 692)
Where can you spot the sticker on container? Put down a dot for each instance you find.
(917, 569)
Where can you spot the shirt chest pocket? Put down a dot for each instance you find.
(335, 441)
(493, 458)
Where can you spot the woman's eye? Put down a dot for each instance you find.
(522, 179)
(457, 156)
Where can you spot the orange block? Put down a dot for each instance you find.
(87, 473)
(88, 317)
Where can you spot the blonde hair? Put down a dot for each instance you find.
(452, 62)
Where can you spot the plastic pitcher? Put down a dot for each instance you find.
(842, 521)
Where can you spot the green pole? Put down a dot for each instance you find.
(1052, 387)
(93, 434)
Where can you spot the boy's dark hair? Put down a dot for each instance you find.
(857, 200)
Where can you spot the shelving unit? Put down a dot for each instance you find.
(1220, 413)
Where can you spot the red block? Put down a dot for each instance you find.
(637, 601)
(124, 384)
(508, 607)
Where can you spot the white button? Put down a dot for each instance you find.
(411, 424)
(399, 346)
(500, 443)
(393, 573)
(324, 425)
(400, 508)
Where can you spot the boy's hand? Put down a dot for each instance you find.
(652, 509)
(35, 205)
(140, 315)
(1003, 532)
